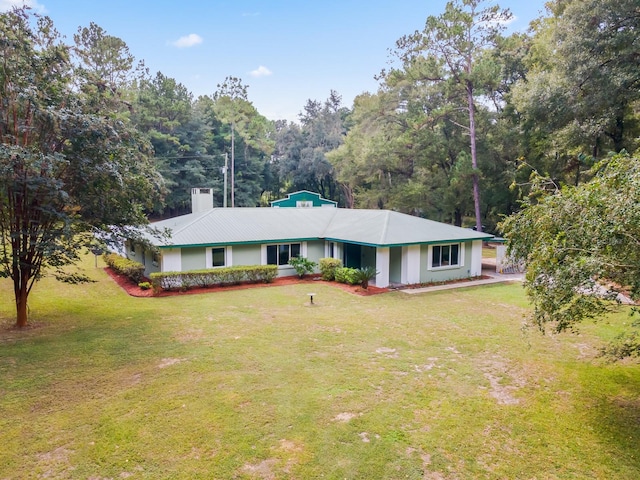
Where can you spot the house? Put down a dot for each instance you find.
(303, 199)
(403, 249)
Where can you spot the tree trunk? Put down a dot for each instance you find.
(21, 294)
(474, 158)
(457, 217)
(347, 192)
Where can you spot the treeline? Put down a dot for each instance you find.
(458, 125)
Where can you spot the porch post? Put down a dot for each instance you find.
(411, 264)
(382, 266)
(476, 259)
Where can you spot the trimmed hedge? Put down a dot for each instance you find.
(131, 269)
(213, 277)
(328, 268)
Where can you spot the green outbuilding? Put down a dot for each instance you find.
(303, 199)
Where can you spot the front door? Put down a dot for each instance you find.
(352, 255)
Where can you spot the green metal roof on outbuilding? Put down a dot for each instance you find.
(381, 228)
(303, 199)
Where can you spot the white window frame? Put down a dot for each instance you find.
(263, 252)
(328, 246)
(460, 263)
(228, 257)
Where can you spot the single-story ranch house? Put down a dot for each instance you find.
(403, 249)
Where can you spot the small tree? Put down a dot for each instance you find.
(302, 265)
(69, 163)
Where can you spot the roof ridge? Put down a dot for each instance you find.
(329, 223)
(195, 220)
(385, 226)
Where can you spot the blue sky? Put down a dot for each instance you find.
(287, 51)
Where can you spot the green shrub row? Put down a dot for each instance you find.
(332, 269)
(131, 269)
(213, 277)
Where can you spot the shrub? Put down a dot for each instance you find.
(364, 275)
(123, 266)
(328, 268)
(347, 275)
(144, 285)
(302, 265)
(212, 277)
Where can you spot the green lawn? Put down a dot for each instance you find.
(257, 384)
(488, 252)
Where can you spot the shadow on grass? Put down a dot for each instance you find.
(615, 417)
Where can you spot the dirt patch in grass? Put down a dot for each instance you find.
(344, 417)
(167, 362)
(496, 371)
(10, 326)
(135, 291)
(262, 470)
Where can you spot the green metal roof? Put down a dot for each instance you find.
(382, 228)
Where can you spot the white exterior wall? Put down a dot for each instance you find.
(171, 260)
(410, 265)
(382, 266)
(476, 259)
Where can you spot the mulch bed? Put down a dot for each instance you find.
(135, 291)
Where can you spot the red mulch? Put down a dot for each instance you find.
(135, 291)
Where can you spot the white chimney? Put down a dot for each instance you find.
(201, 200)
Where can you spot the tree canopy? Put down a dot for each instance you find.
(581, 246)
(68, 165)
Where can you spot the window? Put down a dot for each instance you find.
(155, 258)
(304, 203)
(217, 257)
(280, 254)
(445, 255)
(132, 249)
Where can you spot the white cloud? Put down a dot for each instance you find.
(261, 71)
(6, 5)
(188, 41)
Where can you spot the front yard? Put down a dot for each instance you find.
(258, 384)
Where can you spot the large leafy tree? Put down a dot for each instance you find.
(251, 139)
(581, 245)
(67, 167)
(233, 108)
(449, 52)
(164, 112)
(579, 100)
(301, 150)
